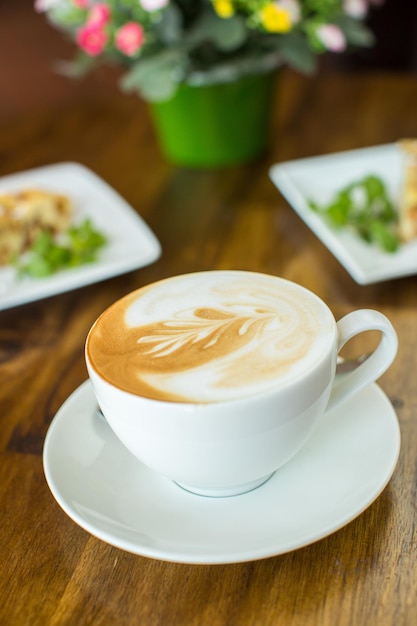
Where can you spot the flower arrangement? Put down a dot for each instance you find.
(163, 43)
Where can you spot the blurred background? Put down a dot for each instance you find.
(394, 24)
(30, 50)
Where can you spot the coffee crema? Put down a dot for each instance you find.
(210, 336)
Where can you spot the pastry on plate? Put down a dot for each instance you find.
(407, 206)
(27, 212)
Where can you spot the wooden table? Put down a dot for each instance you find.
(56, 573)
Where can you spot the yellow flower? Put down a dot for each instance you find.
(223, 8)
(275, 18)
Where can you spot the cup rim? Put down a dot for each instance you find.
(272, 389)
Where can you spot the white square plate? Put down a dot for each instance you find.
(319, 179)
(130, 242)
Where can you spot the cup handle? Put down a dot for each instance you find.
(375, 365)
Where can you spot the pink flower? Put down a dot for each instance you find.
(81, 4)
(129, 38)
(153, 5)
(99, 14)
(92, 38)
(332, 37)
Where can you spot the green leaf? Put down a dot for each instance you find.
(374, 187)
(296, 51)
(357, 34)
(339, 211)
(79, 67)
(364, 207)
(46, 256)
(229, 34)
(384, 237)
(156, 78)
(66, 15)
(169, 29)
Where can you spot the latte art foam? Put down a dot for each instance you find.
(210, 336)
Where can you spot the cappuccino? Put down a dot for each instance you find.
(217, 379)
(210, 336)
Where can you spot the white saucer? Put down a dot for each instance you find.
(105, 490)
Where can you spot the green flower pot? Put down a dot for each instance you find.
(216, 125)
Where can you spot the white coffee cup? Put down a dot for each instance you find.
(217, 379)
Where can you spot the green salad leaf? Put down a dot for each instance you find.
(365, 207)
(79, 245)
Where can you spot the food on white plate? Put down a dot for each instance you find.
(25, 214)
(364, 205)
(38, 235)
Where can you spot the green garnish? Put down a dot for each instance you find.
(79, 245)
(365, 208)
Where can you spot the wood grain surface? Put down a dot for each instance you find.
(53, 572)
